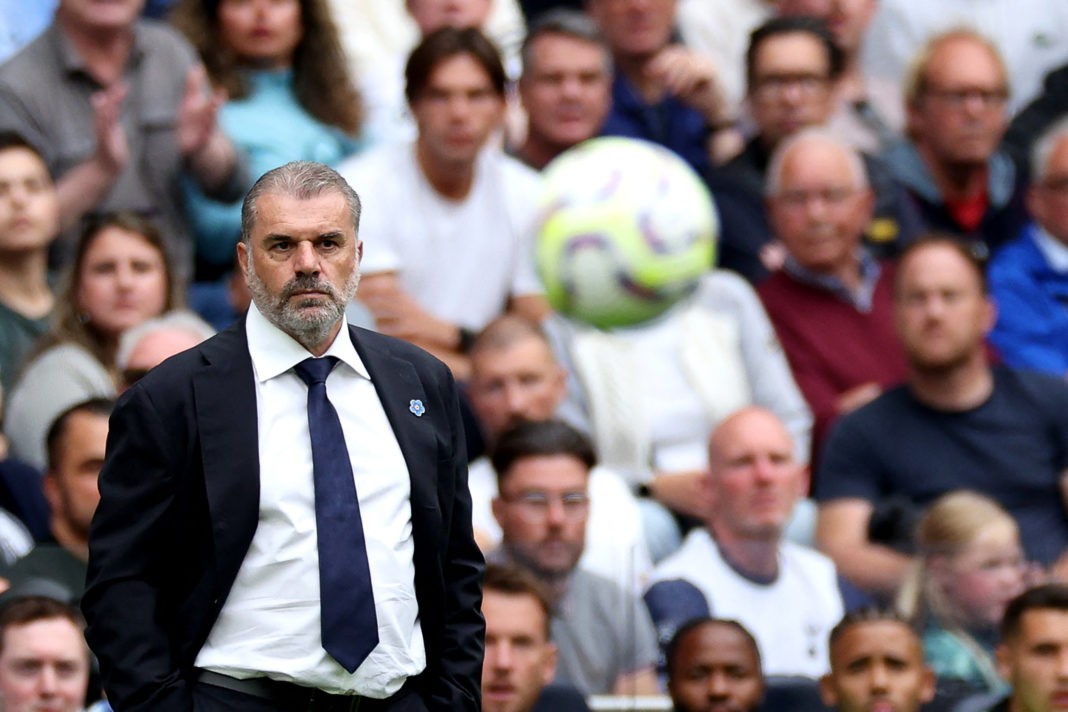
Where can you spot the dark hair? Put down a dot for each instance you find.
(301, 180)
(568, 23)
(1052, 596)
(68, 325)
(30, 609)
(968, 251)
(321, 78)
(13, 139)
(787, 25)
(867, 614)
(58, 429)
(512, 580)
(445, 44)
(545, 437)
(671, 652)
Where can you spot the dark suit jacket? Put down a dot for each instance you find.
(180, 503)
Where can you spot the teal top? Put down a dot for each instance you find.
(271, 126)
(952, 655)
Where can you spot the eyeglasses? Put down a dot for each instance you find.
(957, 98)
(775, 85)
(537, 504)
(796, 199)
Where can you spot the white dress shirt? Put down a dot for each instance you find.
(270, 623)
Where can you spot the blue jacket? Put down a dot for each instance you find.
(1032, 300)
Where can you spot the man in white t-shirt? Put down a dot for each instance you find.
(448, 219)
(515, 377)
(739, 566)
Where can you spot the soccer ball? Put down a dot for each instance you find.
(625, 230)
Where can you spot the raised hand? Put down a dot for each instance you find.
(197, 112)
(112, 149)
(691, 77)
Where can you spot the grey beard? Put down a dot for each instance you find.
(308, 328)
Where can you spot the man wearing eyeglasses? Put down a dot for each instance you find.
(832, 303)
(952, 169)
(1029, 276)
(605, 639)
(792, 65)
(740, 566)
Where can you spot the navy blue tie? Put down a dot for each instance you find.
(349, 622)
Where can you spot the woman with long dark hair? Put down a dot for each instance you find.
(290, 98)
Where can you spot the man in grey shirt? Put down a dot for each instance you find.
(603, 633)
(120, 108)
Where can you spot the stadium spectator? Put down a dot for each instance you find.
(76, 442)
(289, 98)
(447, 217)
(662, 91)
(150, 343)
(832, 303)
(515, 378)
(868, 112)
(120, 108)
(29, 222)
(950, 166)
(1029, 276)
(876, 663)
(969, 566)
(1032, 36)
(739, 566)
(520, 659)
(720, 31)
(957, 423)
(1033, 655)
(119, 278)
(710, 354)
(44, 661)
(378, 36)
(792, 66)
(605, 641)
(713, 665)
(564, 87)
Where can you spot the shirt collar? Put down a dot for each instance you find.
(275, 352)
(1055, 251)
(73, 63)
(869, 276)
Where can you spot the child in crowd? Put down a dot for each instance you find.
(970, 565)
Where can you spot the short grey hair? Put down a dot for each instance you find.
(302, 180)
(813, 134)
(1044, 147)
(569, 23)
(177, 320)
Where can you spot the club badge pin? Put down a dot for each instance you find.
(416, 406)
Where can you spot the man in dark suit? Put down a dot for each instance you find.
(215, 580)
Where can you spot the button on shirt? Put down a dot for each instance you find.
(270, 622)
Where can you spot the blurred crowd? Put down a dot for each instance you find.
(840, 456)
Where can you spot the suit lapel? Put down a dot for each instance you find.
(397, 385)
(225, 394)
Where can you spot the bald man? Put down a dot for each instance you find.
(832, 303)
(739, 566)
